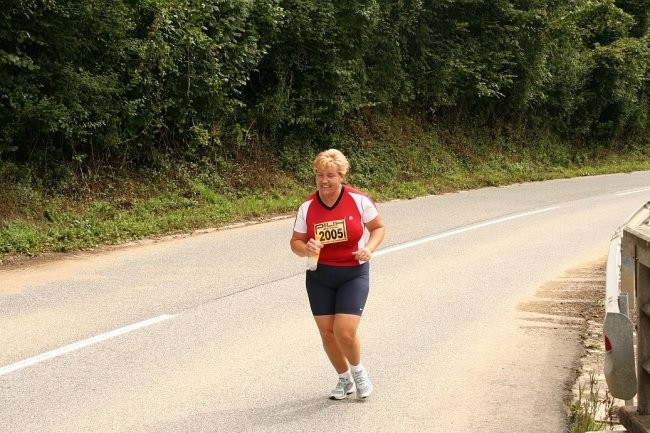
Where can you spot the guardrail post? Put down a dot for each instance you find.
(624, 308)
(628, 270)
(643, 337)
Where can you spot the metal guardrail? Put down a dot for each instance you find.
(620, 370)
(635, 278)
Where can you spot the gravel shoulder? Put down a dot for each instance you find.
(578, 297)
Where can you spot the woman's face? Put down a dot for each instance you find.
(328, 181)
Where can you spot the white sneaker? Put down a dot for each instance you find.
(344, 387)
(362, 383)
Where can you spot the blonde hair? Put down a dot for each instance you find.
(331, 158)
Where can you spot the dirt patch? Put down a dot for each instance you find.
(577, 299)
(580, 293)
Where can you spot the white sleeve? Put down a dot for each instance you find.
(300, 225)
(370, 211)
(366, 207)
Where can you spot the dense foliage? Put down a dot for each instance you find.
(124, 81)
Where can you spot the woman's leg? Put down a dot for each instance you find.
(345, 331)
(333, 349)
(338, 331)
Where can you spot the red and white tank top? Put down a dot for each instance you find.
(341, 227)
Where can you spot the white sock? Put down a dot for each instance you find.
(345, 375)
(356, 368)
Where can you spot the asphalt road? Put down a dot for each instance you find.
(212, 332)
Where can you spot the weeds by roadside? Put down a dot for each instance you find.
(586, 409)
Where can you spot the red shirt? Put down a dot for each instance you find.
(341, 226)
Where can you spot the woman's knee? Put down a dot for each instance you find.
(345, 335)
(327, 335)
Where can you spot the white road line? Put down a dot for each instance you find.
(460, 230)
(81, 344)
(633, 192)
(112, 334)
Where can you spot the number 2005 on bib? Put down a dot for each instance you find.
(332, 231)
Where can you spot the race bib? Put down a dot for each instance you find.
(332, 231)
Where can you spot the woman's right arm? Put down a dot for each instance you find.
(299, 243)
(303, 247)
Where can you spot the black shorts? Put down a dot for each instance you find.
(338, 289)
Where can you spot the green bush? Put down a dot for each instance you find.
(90, 84)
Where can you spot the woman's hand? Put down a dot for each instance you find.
(313, 247)
(363, 255)
(377, 231)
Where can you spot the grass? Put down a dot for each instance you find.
(397, 159)
(69, 226)
(586, 407)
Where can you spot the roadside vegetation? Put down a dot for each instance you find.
(126, 119)
(588, 408)
(398, 159)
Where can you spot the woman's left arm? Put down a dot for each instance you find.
(377, 233)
